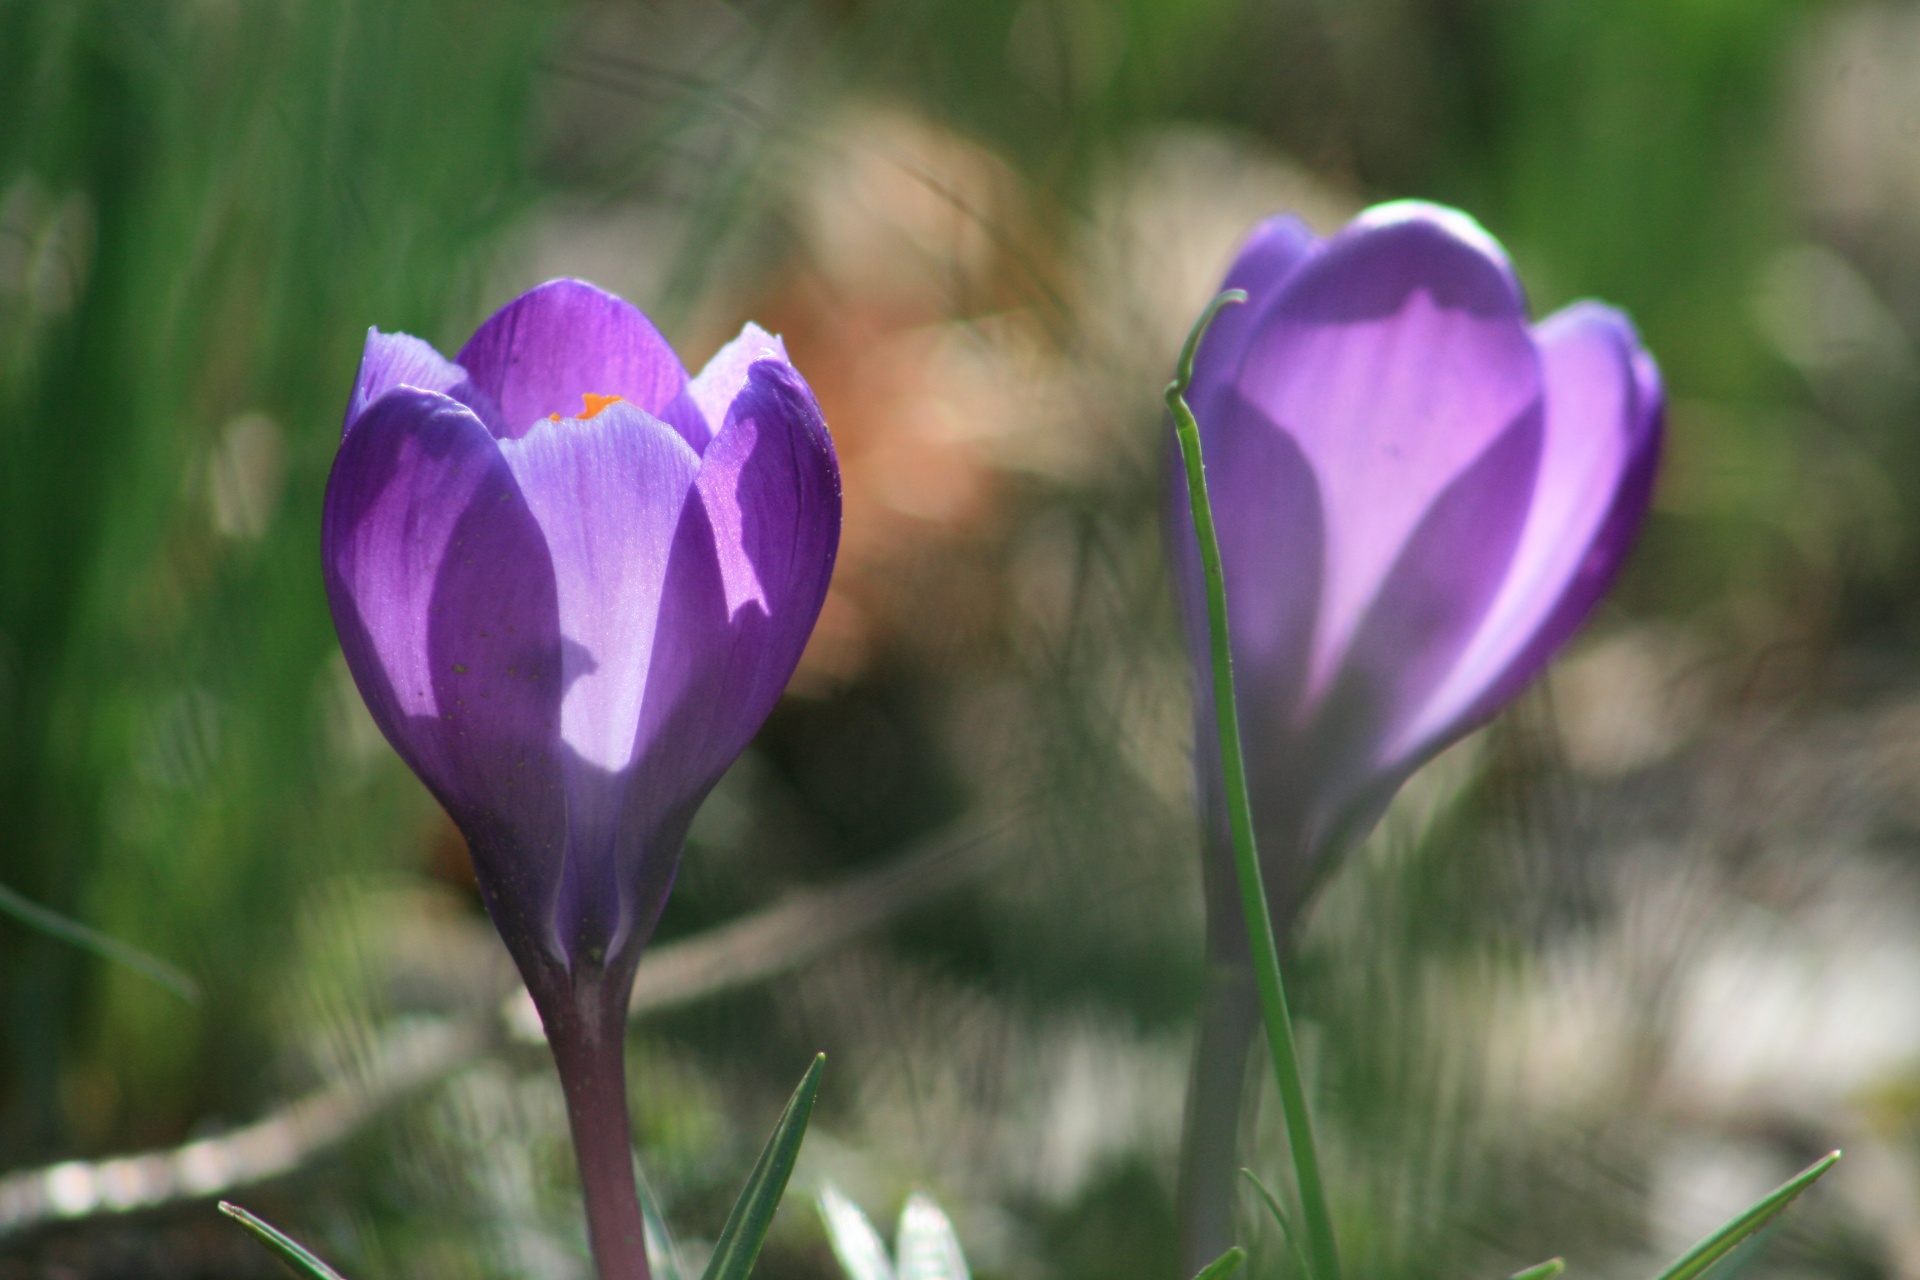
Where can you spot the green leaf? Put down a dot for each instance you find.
(291, 1251)
(1316, 1215)
(52, 923)
(1280, 1217)
(1224, 1265)
(663, 1256)
(1722, 1242)
(861, 1251)
(925, 1247)
(1542, 1270)
(739, 1244)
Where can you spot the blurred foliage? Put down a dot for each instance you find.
(204, 205)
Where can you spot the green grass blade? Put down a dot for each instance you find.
(739, 1244)
(663, 1256)
(1280, 1217)
(1542, 1270)
(53, 924)
(861, 1251)
(290, 1250)
(1696, 1260)
(924, 1244)
(1322, 1248)
(1224, 1265)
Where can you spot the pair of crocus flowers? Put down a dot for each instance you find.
(571, 581)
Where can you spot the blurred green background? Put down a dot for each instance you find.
(1631, 955)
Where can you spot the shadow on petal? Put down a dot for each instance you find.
(1369, 272)
(1424, 614)
(443, 594)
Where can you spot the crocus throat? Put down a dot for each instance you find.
(593, 403)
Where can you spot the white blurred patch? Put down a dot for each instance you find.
(1822, 315)
(1803, 1011)
(1560, 1038)
(46, 247)
(1169, 215)
(900, 210)
(1858, 115)
(1630, 699)
(1698, 1184)
(245, 476)
(1105, 1097)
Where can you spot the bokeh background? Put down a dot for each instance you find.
(1608, 970)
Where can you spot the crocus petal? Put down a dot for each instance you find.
(771, 487)
(1272, 533)
(444, 598)
(1396, 357)
(608, 494)
(714, 389)
(1268, 256)
(1430, 604)
(770, 493)
(1604, 410)
(538, 355)
(745, 581)
(392, 360)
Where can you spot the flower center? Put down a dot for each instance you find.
(593, 404)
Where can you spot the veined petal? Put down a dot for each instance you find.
(443, 595)
(769, 490)
(1431, 603)
(538, 355)
(1604, 409)
(1396, 358)
(745, 580)
(715, 387)
(607, 494)
(392, 360)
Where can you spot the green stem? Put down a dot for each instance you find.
(1316, 1220)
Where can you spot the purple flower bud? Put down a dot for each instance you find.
(571, 583)
(1419, 497)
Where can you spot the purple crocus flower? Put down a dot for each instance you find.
(571, 583)
(1419, 497)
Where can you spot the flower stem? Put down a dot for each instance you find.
(590, 1048)
(1210, 1137)
(1318, 1221)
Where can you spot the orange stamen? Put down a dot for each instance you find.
(592, 405)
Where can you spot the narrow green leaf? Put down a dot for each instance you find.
(1746, 1253)
(925, 1246)
(663, 1256)
(1722, 1242)
(861, 1251)
(53, 924)
(1542, 1270)
(1279, 1216)
(739, 1244)
(290, 1250)
(1224, 1265)
(1316, 1215)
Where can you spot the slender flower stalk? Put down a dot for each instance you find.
(1418, 497)
(571, 582)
